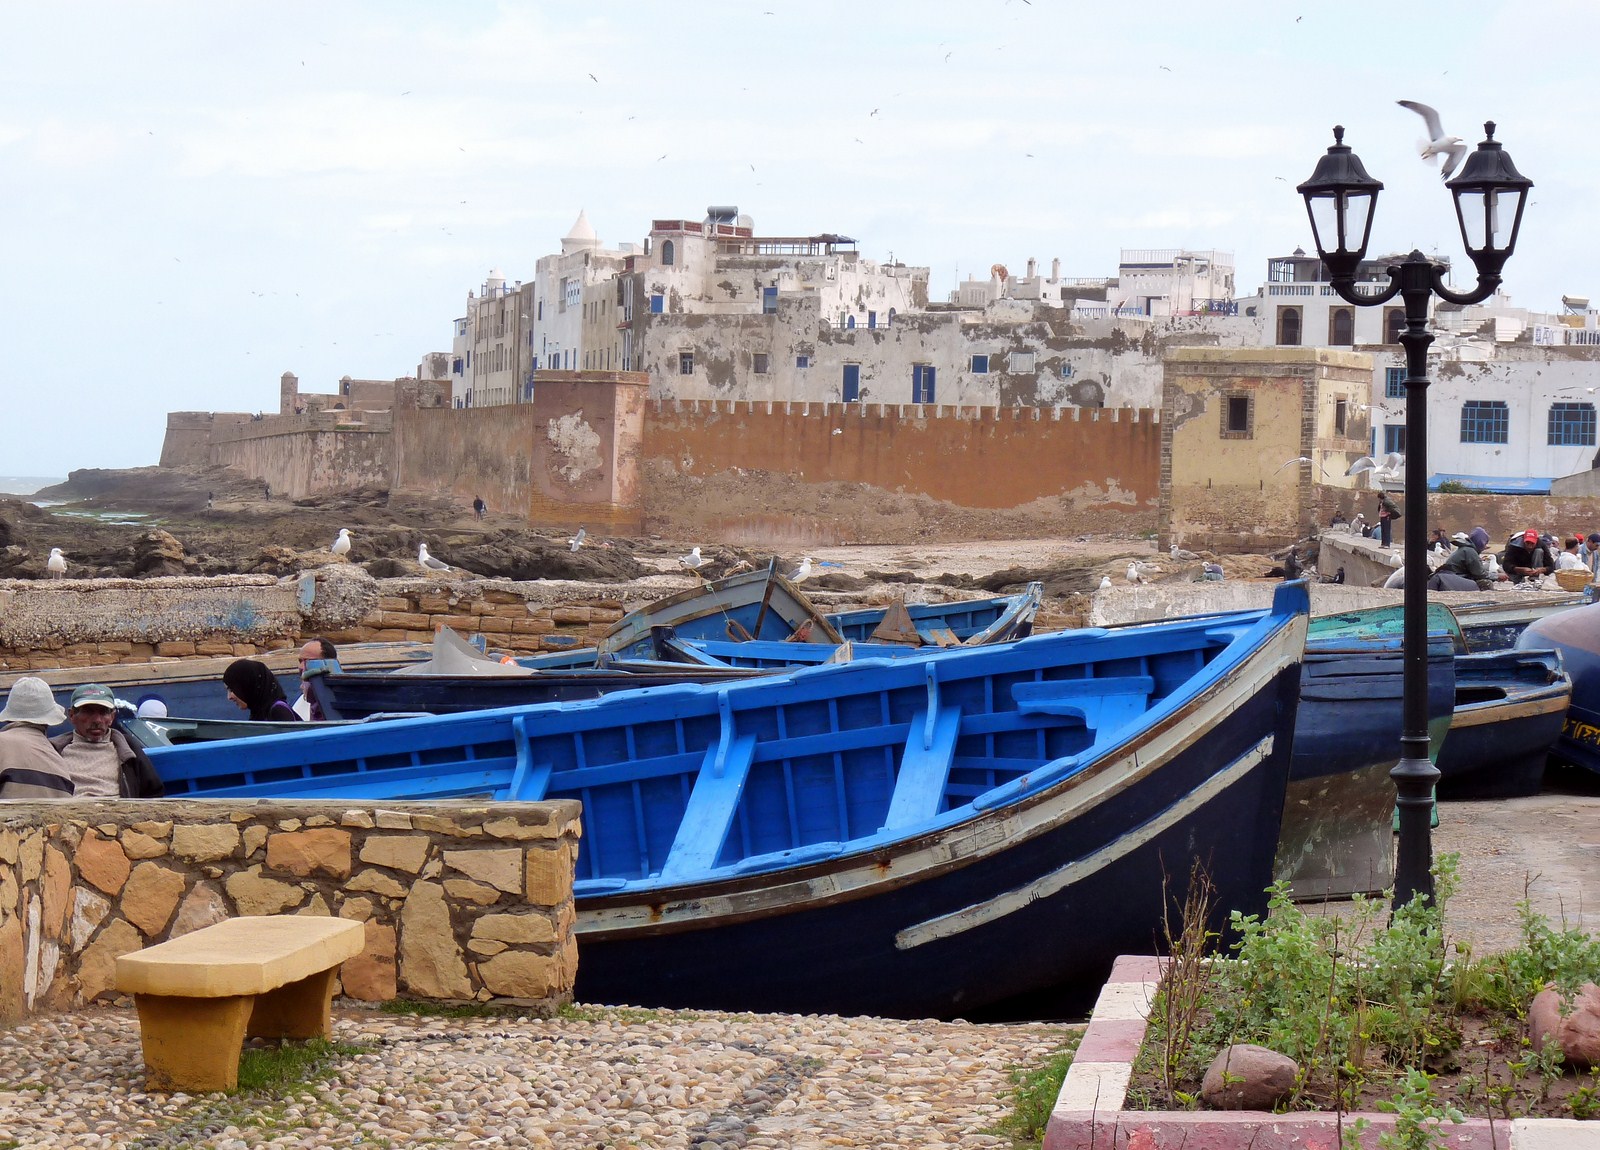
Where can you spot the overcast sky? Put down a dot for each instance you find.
(197, 197)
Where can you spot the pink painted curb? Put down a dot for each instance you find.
(1089, 1114)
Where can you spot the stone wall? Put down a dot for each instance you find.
(459, 902)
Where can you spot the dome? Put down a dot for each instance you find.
(581, 236)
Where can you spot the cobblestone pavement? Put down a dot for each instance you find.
(610, 1078)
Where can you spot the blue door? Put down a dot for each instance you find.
(922, 376)
(852, 382)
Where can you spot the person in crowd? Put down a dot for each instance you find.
(1526, 558)
(1437, 541)
(1569, 559)
(1466, 564)
(254, 688)
(30, 768)
(151, 707)
(99, 759)
(306, 706)
(1388, 512)
(1589, 552)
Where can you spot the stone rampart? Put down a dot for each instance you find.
(459, 902)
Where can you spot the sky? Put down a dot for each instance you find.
(198, 197)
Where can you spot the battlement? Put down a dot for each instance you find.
(918, 411)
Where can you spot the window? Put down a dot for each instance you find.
(455, 365)
(769, 301)
(759, 363)
(980, 365)
(802, 361)
(891, 318)
(922, 379)
(872, 319)
(1341, 415)
(852, 382)
(1022, 361)
(1485, 421)
(1394, 437)
(657, 303)
(850, 322)
(1289, 326)
(1571, 425)
(1237, 416)
(686, 363)
(1342, 327)
(1394, 383)
(1394, 322)
(666, 253)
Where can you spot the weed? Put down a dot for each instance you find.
(426, 1009)
(272, 1068)
(1418, 1116)
(1033, 1095)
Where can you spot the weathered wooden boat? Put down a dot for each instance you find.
(971, 831)
(1495, 623)
(1509, 711)
(651, 660)
(193, 686)
(167, 731)
(1576, 634)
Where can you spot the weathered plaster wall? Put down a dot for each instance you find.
(1231, 490)
(974, 457)
(188, 439)
(303, 461)
(459, 902)
(568, 456)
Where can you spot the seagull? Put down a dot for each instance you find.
(1179, 555)
(692, 560)
(577, 540)
(1105, 582)
(341, 545)
(1437, 143)
(802, 572)
(593, 77)
(429, 561)
(1132, 575)
(1292, 462)
(56, 564)
(838, 431)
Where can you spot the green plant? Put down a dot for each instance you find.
(428, 1009)
(1187, 984)
(1419, 1116)
(1033, 1094)
(1456, 487)
(1584, 1102)
(273, 1068)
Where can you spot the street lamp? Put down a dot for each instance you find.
(1340, 197)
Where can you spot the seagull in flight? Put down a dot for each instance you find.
(577, 540)
(1389, 467)
(593, 77)
(430, 562)
(1437, 143)
(1292, 462)
(341, 545)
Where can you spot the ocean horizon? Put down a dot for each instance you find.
(27, 484)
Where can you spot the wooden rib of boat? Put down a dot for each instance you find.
(969, 831)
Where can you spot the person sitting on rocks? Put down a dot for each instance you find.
(1527, 558)
(101, 761)
(30, 768)
(254, 688)
(1465, 567)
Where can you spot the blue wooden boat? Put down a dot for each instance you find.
(1495, 623)
(1510, 710)
(652, 655)
(1576, 634)
(972, 831)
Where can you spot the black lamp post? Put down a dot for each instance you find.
(1489, 194)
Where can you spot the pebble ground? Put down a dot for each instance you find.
(602, 1078)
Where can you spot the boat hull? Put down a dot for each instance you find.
(1511, 708)
(1576, 634)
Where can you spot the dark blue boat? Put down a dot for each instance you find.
(973, 831)
(1510, 710)
(1576, 634)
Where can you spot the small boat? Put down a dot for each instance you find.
(1495, 623)
(973, 831)
(1510, 709)
(460, 679)
(1576, 634)
(167, 731)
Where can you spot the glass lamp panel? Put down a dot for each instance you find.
(1357, 219)
(1472, 211)
(1324, 210)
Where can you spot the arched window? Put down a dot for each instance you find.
(891, 317)
(850, 321)
(1289, 326)
(666, 253)
(1342, 327)
(1394, 322)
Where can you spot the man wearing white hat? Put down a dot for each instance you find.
(30, 768)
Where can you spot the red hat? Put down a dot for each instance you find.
(1530, 536)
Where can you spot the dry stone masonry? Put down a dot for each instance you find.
(458, 902)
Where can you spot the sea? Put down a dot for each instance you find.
(27, 484)
(24, 486)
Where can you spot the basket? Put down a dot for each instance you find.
(1572, 579)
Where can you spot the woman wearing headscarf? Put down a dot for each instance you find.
(256, 689)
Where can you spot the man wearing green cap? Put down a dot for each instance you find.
(98, 757)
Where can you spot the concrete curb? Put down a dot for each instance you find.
(1089, 1114)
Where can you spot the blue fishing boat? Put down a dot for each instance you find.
(1576, 634)
(1510, 710)
(968, 831)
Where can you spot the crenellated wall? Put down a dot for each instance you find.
(459, 902)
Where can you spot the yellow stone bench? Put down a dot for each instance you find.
(200, 994)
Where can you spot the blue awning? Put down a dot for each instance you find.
(1495, 484)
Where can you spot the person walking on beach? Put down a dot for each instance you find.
(30, 768)
(254, 688)
(479, 506)
(100, 760)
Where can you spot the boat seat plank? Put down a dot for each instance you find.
(530, 780)
(924, 770)
(709, 812)
(1104, 703)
